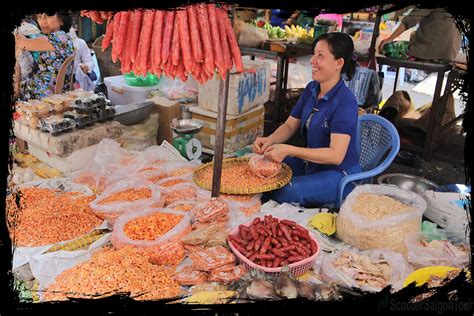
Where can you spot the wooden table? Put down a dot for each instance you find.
(437, 106)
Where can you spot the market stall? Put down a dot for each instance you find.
(157, 224)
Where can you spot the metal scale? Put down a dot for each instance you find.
(185, 143)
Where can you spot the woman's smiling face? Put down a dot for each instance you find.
(323, 63)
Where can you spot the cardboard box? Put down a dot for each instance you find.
(167, 111)
(247, 90)
(240, 131)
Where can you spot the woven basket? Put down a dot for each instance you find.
(104, 58)
(282, 179)
(296, 268)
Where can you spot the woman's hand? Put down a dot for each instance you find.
(261, 144)
(382, 44)
(277, 152)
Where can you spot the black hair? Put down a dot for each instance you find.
(341, 46)
(66, 20)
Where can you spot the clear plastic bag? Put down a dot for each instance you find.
(388, 232)
(120, 239)
(400, 269)
(176, 89)
(208, 236)
(436, 253)
(182, 191)
(184, 205)
(178, 169)
(264, 167)
(112, 210)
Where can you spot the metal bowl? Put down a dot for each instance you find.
(407, 182)
(187, 126)
(135, 113)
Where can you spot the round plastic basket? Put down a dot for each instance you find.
(296, 268)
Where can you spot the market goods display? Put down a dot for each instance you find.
(195, 40)
(422, 253)
(211, 212)
(264, 167)
(238, 179)
(435, 281)
(303, 35)
(205, 236)
(124, 196)
(273, 243)
(370, 270)
(112, 271)
(248, 204)
(183, 206)
(380, 216)
(47, 217)
(178, 192)
(98, 17)
(149, 227)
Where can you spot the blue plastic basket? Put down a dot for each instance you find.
(359, 84)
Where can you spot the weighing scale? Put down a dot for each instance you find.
(185, 143)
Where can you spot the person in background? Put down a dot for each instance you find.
(83, 63)
(326, 115)
(437, 37)
(54, 48)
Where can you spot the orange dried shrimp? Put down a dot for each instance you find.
(129, 195)
(48, 217)
(151, 227)
(264, 167)
(236, 176)
(111, 271)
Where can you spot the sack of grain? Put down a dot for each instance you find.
(380, 216)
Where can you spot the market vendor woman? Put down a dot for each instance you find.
(326, 117)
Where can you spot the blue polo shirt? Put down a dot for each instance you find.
(336, 112)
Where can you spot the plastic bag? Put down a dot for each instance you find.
(211, 258)
(387, 232)
(138, 81)
(184, 205)
(178, 169)
(208, 236)
(190, 276)
(213, 211)
(169, 183)
(263, 167)
(132, 186)
(422, 253)
(251, 36)
(121, 239)
(176, 89)
(178, 192)
(397, 264)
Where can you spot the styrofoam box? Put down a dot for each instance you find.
(121, 93)
(247, 90)
(240, 131)
(76, 161)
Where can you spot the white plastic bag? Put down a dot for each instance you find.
(445, 208)
(111, 211)
(443, 254)
(398, 264)
(120, 239)
(388, 232)
(176, 89)
(46, 267)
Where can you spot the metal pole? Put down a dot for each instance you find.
(220, 131)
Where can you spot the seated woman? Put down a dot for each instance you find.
(54, 48)
(326, 115)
